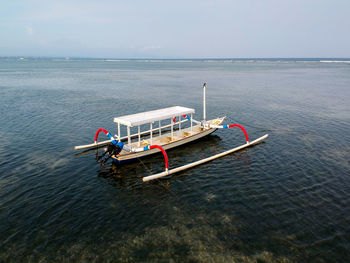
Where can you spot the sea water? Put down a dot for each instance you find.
(287, 199)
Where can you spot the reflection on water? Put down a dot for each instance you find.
(285, 200)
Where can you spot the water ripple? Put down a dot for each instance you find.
(284, 200)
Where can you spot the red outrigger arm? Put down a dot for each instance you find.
(239, 126)
(164, 154)
(106, 132)
(229, 126)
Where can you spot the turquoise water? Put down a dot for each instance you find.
(285, 200)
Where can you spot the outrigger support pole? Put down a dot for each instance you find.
(188, 166)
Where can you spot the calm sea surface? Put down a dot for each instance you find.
(285, 200)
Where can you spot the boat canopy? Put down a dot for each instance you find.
(154, 115)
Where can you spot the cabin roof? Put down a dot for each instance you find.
(154, 115)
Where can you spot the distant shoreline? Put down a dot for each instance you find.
(324, 60)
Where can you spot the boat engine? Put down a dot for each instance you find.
(114, 148)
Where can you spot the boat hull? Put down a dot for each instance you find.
(133, 156)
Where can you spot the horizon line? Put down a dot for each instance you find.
(167, 58)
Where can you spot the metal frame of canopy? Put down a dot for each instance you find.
(150, 117)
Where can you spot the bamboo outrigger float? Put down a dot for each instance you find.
(161, 138)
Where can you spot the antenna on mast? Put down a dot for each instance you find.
(204, 102)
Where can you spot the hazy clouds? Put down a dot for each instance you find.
(184, 29)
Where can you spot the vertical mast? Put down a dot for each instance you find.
(204, 102)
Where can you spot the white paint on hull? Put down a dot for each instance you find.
(191, 138)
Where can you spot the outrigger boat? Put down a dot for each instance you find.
(134, 146)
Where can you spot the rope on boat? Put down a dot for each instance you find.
(150, 147)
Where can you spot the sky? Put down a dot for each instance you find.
(175, 29)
